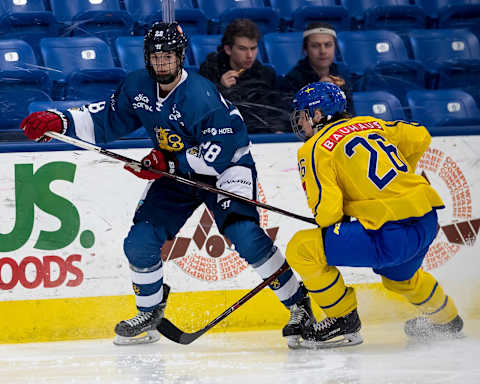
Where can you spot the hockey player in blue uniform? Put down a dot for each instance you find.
(198, 135)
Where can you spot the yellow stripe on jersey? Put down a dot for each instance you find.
(364, 167)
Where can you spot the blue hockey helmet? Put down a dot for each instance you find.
(327, 97)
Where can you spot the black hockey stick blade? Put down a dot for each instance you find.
(175, 334)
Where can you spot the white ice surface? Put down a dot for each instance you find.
(248, 358)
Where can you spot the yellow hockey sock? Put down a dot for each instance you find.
(325, 283)
(426, 293)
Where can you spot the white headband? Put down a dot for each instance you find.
(325, 31)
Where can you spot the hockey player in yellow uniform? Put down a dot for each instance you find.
(363, 168)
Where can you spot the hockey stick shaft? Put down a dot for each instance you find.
(192, 183)
(175, 334)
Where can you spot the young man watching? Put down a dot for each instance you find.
(244, 81)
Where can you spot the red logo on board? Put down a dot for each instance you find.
(464, 229)
(221, 262)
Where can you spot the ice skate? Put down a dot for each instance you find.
(301, 317)
(142, 329)
(333, 332)
(422, 328)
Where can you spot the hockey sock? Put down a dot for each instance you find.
(425, 292)
(325, 284)
(148, 286)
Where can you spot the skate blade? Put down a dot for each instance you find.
(293, 342)
(347, 340)
(148, 337)
(434, 338)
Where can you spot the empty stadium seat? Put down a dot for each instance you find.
(451, 56)
(283, 50)
(145, 13)
(297, 14)
(443, 107)
(14, 101)
(16, 55)
(99, 18)
(27, 20)
(380, 104)
(378, 60)
(201, 46)
(452, 14)
(20, 83)
(130, 52)
(442, 45)
(223, 12)
(18, 64)
(396, 15)
(81, 67)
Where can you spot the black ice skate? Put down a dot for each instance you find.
(301, 317)
(333, 332)
(142, 329)
(423, 329)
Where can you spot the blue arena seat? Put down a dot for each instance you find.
(452, 13)
(145, 13)
(16, 55)
(297, 14)
(380, 104)
(442, 45)
(201, 46)
(283, 50)
(130, 52)
(27, 20)
(18, 64)
(98, 18)
(14, 101)
(21, 82)
(378, 60)
(222, 12)
(443, 107)
(452, 57)
(81, 67)
(395, 15)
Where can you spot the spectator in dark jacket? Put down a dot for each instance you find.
(243, 80)
(319, 45)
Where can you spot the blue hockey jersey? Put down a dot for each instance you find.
(205, 132)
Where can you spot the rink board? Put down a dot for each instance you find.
(64, 216)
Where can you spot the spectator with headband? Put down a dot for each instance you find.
(319, 43)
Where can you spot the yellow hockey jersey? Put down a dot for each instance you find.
(364, 167)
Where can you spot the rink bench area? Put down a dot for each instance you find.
(64, 276)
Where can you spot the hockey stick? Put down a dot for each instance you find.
(195, 184)
(172, 332)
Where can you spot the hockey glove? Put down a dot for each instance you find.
(37, 123)
(163, 161)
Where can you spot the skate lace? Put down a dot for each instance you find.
(141, 318)
(324, 324)
(297, 314)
